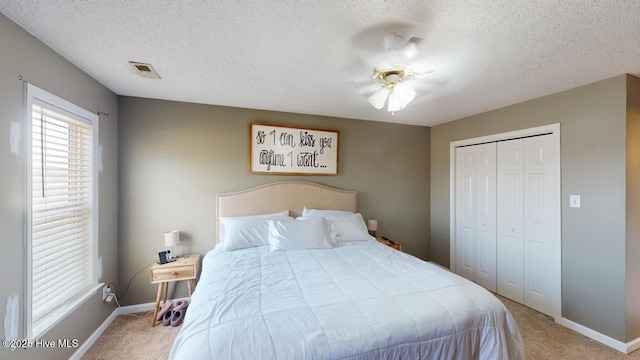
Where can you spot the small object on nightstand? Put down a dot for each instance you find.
(390, 243)
(184, 268)
(165, 257)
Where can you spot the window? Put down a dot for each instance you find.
(62, 208)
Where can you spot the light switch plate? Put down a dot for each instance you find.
(574, 201)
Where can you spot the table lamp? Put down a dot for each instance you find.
(372, 226)
(171, 239)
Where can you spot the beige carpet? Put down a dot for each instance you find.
(544, 339)
(132, 338)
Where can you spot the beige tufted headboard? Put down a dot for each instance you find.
(279, 196)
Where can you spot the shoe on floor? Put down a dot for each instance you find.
(163, 308)
(180, 304)
(166, 318)
(177, 317)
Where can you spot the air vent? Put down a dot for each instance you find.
(144, 70)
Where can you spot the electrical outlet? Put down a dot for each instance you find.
(105, 293)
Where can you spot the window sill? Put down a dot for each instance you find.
(55, 317)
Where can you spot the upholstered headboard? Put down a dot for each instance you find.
(279, 196)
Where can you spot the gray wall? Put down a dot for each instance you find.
(23, 55)
(175, 157)
(633, 208)
(592, 134)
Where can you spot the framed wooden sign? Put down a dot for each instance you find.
(276, 149)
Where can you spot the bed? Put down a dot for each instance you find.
(352, 300)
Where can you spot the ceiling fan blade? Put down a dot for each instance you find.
(388, 43)
(372, 39)
(426, 84)
(360, 83)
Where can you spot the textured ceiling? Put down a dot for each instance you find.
(317, 57)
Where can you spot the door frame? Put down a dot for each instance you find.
(554, 130)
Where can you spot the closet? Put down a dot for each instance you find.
(476, 213)
(507, 220)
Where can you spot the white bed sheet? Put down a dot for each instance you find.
(362, 300)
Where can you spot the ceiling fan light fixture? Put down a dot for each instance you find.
(393, 78)
(392, 85)
(404, 93)
(379, 97)
(394, 103)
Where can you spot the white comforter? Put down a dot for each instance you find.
(361, 300)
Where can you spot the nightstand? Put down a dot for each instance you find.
(186, 267)
(389, 243)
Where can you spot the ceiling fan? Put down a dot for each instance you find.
(411, 61)
(393, 87)
(393, 78)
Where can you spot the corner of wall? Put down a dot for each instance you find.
(632, 245)
(50, 71)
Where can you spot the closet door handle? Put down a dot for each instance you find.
(512, 229)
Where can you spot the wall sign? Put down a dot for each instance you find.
(276, 149)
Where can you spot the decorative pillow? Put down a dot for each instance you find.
(241, 232)
(315, 212)
(348, 228)
(300, 233)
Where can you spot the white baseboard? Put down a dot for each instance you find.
(625, 348)
(124, 310)
(633, 345)
(78, 354)
(131, 309)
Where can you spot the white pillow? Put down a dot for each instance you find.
(348, 228)
(301, 233)
(241, 232)
(315, 212)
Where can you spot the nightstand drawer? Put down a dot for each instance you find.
(173, 273)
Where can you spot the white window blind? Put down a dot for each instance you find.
(62, 211)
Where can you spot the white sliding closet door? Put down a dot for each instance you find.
(528, 260)
(510, 240)
(506, 215)
(465, 212)
(485, 215)
(541, 242)
(476, 213)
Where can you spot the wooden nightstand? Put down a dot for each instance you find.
(389, 243)
(186, 267)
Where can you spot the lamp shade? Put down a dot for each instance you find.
(372, 225)
(404, 94)
(171, 238)
(379, 97)
(394, 103)
(401, 95)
